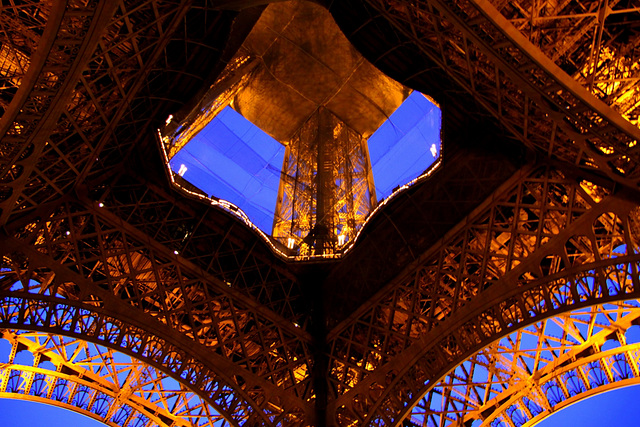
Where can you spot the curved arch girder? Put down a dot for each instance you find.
(611, 280)
(405, 384)
(108, 386)
(57, 316)
(79, 255)
(539, 369)
(577, 264)
(525, 215)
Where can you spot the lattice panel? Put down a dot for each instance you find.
(161, 76)
(96, 253)
(71, 30)
(596, 43)
(524, 218)
(326, 190)
(485, 308)
(540, 105)
(211, 240)
(186, 299)
(111, 387)
(98, 109)
(20, 33)
(537, 370)
(411, 225)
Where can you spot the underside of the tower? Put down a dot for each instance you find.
(496, 284)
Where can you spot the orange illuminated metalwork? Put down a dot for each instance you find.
(505, 289)
(299, 79)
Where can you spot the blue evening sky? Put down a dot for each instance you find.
(615, 408)
(400, 150)
(22, 413)
(234, 160)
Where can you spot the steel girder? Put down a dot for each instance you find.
(539, 369)
(98, 382)
(87, 254)
(510, 77)
(543, 246)
(115, 263)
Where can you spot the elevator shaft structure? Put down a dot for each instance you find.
(326, 189)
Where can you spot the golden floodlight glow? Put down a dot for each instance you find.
(298, 79)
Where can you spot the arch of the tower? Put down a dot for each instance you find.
(439, 302)
(545, 246)
(48, 317)
(535, 371)
(97, 247)
(165, 314)
(95, 381)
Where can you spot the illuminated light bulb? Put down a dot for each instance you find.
(176, 252)
(182, 170)
(169, 119)
(341, 239)
(434, 150)
(290, 242)
(101, 205)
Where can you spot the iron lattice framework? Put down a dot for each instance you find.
(326, 190)
(487, 293)
(98, 382)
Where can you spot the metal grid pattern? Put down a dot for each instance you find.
(111, 387)
(89, 255)
(20, 33)
(539, 369)
(546, 235)
(535, 99)
(326, 190)
(102, 255)
(609, 67)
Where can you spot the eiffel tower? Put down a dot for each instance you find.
(499, 289)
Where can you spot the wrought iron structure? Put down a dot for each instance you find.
(525, 244)
(299, 80)
(97, 382)
(326, 191)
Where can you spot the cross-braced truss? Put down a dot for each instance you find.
(99, 253)
(98, 382)
(539, 369)
(544, 245)
(326, 190)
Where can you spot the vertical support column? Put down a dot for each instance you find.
(325, 184)
(326, 191)
(311, 280)
(295, 209)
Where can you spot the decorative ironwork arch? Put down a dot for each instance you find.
(213, 339)
(535, 371)
(57, 316)
(98, 382)
(576, 265)
(84, 84)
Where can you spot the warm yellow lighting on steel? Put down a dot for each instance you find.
(323, 116)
